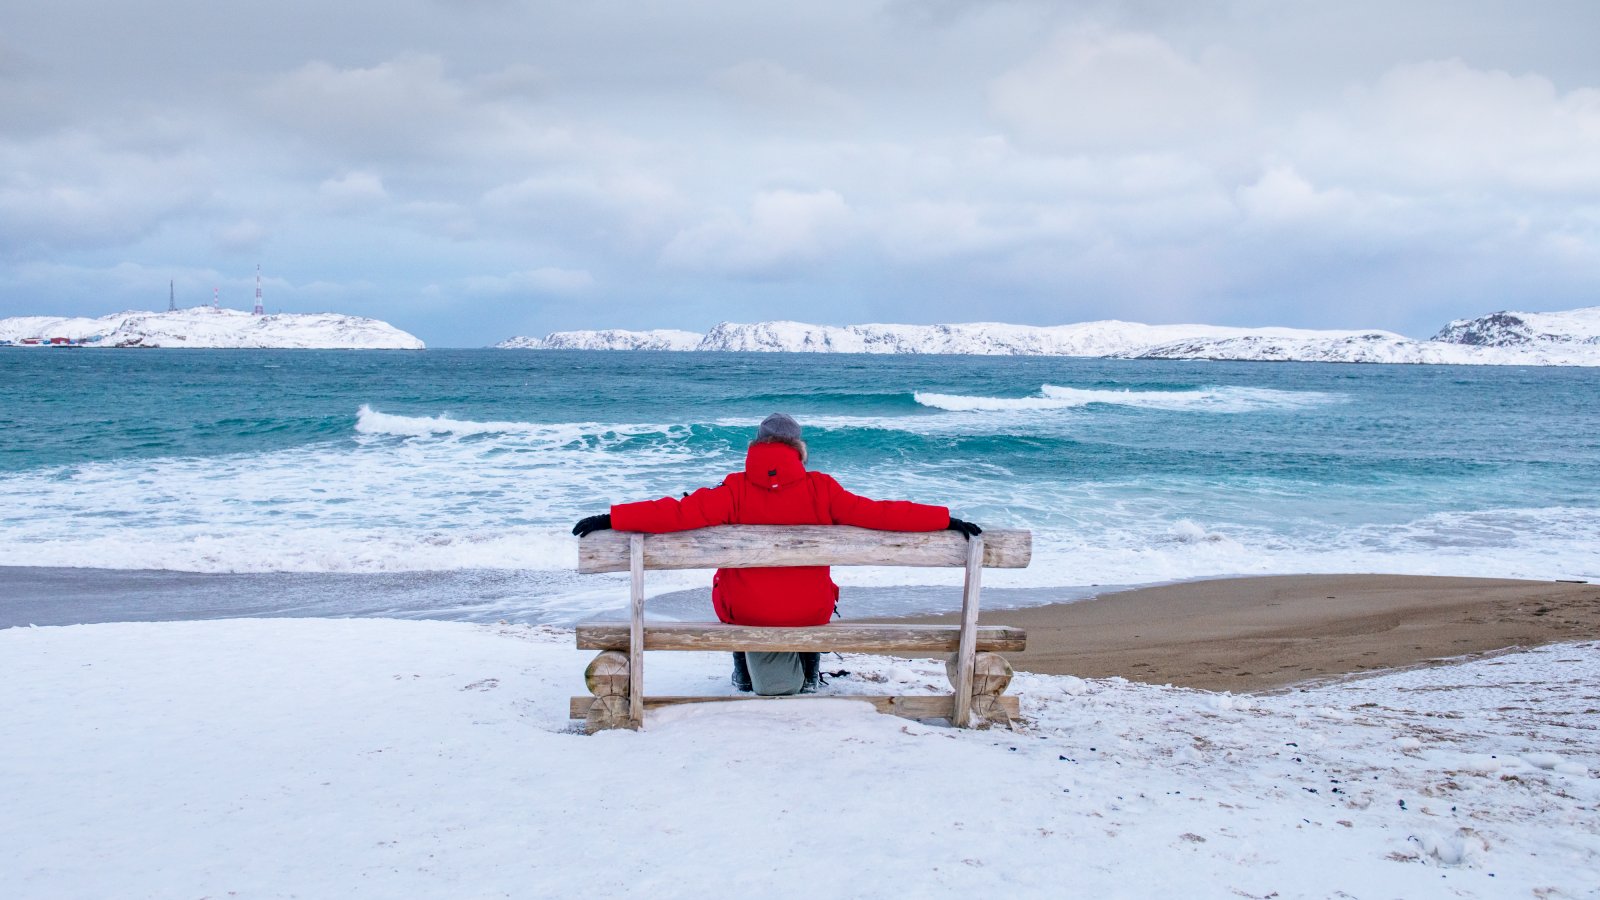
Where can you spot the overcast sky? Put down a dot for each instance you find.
(473, 169)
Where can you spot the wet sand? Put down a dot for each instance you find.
(1254, 634)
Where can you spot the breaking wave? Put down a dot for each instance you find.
(528, 435)
(370, 421)
(1211, 399)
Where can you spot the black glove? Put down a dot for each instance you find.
(593, 523)
(967, 529)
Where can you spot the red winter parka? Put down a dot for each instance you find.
(775, 489)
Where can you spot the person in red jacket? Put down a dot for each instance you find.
(775, 488)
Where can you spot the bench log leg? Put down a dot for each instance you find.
(991, 675)
(607, 679)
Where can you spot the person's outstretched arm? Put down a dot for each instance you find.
(884, 515)
(701, 509)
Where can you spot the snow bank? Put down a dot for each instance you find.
(423, 759)
(206, 328)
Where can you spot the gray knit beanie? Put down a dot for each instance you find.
(779, 428)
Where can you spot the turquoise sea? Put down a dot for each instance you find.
(171, 484)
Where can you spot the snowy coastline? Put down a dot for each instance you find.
(334, 757)
(1570, 338)
(205, 327)
(611, 339)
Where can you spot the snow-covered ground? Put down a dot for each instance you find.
(1570, 338)
(378, 758)
(205, 327)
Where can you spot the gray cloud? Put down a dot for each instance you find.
(73, 189)
(1093, 90)
(243, 236)
(545, 280)
(1443, 124)
(782, 232)
(779, 95)
(1250, 161)
(354, 191)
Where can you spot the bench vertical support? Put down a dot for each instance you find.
(991, 674)
(968, 647)
(636, 633)
(607, 679)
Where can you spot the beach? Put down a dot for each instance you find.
(368, 756)
(1421, 736)
(1263, 633)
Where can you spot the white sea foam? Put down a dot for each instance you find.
(447, 505)
(370, 421)
(1187, 532)
(1210, 399)
(959, 403)
(1118, 547)
(1226, 399)
(1217, 399)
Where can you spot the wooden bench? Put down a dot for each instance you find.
(978, 673)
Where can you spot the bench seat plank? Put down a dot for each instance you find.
(751, 546)
(851, 638)
(936, 706)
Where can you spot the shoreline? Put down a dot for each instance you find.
(1232, 633)
(57, 595)
(1269, 632)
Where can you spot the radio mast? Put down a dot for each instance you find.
(258, 311)
(172, 298)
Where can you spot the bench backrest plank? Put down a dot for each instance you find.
(750, 546)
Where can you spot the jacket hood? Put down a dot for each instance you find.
(773, 465)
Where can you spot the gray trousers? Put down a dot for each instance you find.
(773, 674)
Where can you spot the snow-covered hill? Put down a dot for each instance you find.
(1520, 329)
(1569, 338)
(1108, 338)
(205, 327)
(1105, 338)
(1369, 347)
(610, 339)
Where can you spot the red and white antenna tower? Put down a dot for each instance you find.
(216, 299)
(258, 311)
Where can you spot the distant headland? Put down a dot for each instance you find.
(1570, 338)
(208, 327)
